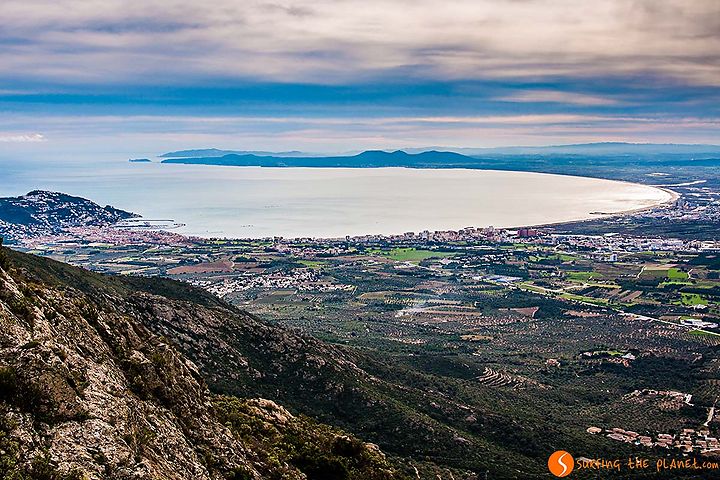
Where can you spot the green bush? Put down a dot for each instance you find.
(319, 451)
(8, 383)
(321, 467)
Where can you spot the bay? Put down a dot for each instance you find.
(214, 201)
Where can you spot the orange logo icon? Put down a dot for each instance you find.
(561, 463)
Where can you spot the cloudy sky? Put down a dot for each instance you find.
(336, 75)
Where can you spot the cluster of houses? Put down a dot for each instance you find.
(301, 279)
(688, 441)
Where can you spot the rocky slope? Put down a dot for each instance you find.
(413, 416)
(87, 390)
(43, 213)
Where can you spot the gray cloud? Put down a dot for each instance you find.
(131, 40)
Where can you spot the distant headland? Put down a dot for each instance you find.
(579, 159)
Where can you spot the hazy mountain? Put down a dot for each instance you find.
(370, 158)
(42, 213)
(567, 160)
(214, 152)
(603, 148)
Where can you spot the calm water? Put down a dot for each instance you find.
(259, 202)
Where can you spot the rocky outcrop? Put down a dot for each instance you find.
(99, 394)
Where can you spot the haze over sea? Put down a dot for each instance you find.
(217, 201)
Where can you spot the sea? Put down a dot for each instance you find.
(255, 202)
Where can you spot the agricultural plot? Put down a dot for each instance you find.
(410, 254)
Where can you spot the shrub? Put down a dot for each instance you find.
(321, 467)
(8, 383)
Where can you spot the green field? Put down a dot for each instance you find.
(670, 283)
(677, 274)
(411, 254)
(654, 273)
(703, 333)
(583, 276)
(583, 298)
(312, 263)
(692, 299)
(669, 273)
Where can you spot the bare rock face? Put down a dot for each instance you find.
(91, 393)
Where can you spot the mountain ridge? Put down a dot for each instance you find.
(215, 152)
(606, 164)
(615, 147)
(368, 158)
(618, 148)
(89, 392)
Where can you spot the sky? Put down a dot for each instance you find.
(147, 76)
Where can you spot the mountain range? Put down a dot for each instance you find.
(600, 148)
(214, 152)
(605, 161)
(370, 158)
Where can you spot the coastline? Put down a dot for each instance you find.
(390, 232)
(416, 199)
(674, 197)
